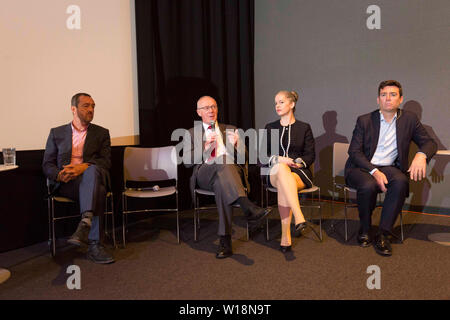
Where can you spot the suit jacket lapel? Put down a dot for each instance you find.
(67, 144)
(87, 142)
(222, 129)
(399, 131)
(375, 132)
(200, 138)
(68, 136)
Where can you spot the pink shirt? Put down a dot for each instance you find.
(78, 139)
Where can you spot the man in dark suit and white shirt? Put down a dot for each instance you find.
(378, 162)
(77, 160)
(212, 149)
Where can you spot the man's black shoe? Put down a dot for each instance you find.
(225, 249)
(364, 239)
(80, 237)
(98, 254)
(383, 245)
(258, 213)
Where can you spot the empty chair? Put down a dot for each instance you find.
(149, 166)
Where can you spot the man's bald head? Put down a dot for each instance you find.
(207, 109)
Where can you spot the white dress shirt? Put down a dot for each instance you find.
(220, 146)
(386, 151)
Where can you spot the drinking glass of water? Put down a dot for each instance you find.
(9, 156)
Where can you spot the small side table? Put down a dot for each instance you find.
(441, 238)
(4, 273)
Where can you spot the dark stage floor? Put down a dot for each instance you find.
(154, 266)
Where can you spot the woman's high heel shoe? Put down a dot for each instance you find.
(285, 249)
(299, 228)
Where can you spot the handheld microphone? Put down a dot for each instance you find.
(213, 125)
(301, 162)
(154, 188)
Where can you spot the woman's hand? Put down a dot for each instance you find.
(289, 162)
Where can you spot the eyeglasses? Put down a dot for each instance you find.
(207, 108)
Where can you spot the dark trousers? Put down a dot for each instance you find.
(225, 180)
(367, 191)
(89, 191)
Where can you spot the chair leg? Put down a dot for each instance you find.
(195, 217)
(332, 201)
(53, 248)
(112, 222)
(248, 233)
(267, 218)
(49, 212)
(178, 220)
(198, 214)
(106, 219)
(105, 215)
(178, 228)
(262, 192)
(345, 215)
(320, 221)
(401, 225)
(318, 235)
(124, 209)
(195, 224)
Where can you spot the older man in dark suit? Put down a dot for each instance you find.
(378, 162)
(77, 160)
(214, 148)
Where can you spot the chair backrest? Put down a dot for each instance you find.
(149, 164)
(340, 156)
(50, 187)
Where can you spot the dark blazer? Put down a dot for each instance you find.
(302, 141)
(58, 151)
(196, 159)
(366, 134)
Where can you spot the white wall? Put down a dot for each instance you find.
(43, 63)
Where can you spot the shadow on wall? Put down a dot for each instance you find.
(420, 191)
(324, 153)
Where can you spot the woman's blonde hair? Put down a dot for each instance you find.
(291, 95)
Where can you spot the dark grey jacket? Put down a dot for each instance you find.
(367, 131)
(58, 151)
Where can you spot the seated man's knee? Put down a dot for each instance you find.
(228, 174)
(399, 182)
(226, 168)
(93, 171)
(369, 186)
(93, 168)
